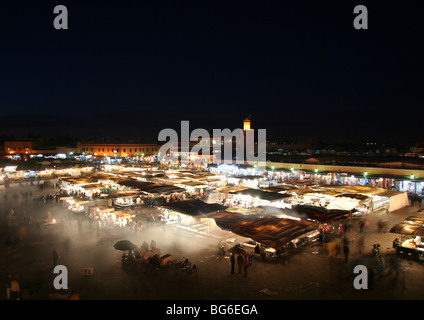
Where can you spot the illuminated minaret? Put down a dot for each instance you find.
(246, 124)
(246, 128)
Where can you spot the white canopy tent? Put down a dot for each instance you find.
(397, 200)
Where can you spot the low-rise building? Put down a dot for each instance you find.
(118, 149)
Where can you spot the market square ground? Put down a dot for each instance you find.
(307, 274)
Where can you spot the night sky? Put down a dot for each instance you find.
(131, 68)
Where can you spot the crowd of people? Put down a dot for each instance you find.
(243, 263)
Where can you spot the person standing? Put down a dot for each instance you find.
(381, 266)
(15, 289)
(145, 246)
(151, 220)
(366, 225)
(153, 245)
(55, 257)
(245, 265)
(240, 261)
(396, 243)
(345, 251)
(257, 249)
(233, 262)
(361, 226)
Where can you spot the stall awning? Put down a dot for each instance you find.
(320, 214)
(408, 229)
(415, 220)
(93, 187)
(152, 188)
(124, 194)
(280, 188)
(270, 230)
(193, 207)
(263, 195)
(194, 184)
(231, 189)
(248, 177)
(398, 199)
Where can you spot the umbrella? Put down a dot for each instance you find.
(124, 245)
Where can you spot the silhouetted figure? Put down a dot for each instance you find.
(55, 257)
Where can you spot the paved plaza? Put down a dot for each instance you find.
(309, 273)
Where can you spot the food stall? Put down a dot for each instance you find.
(317, 198)
(77, 206)
(358, 203)
(411, 231)
(101, 211)
(122, 218)
(250, 181)
(125, 199)
(379, 203)
(53, 226)
(268, 230)
(257, 197)
(193, 187)
(191, 215)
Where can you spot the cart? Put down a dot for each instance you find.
(152, 260)
(54, 226)
(411, 230)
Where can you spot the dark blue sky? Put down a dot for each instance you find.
(131, 68)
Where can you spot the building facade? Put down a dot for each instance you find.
(118, 149)
(19, 147)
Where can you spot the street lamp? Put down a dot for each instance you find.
(365, 176)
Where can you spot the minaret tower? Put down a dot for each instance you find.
(246, 124)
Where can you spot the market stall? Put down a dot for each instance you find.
(318, 198)
(411, 231)
(273, 232)
(125, 199)
(250, 181)
(351, 202)
(321, 214)
(122, 217)
(383, 199)
(193, 187)
(257, 197)
(249, 198)
(100, 212)
(77, 205)
(191, 215)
